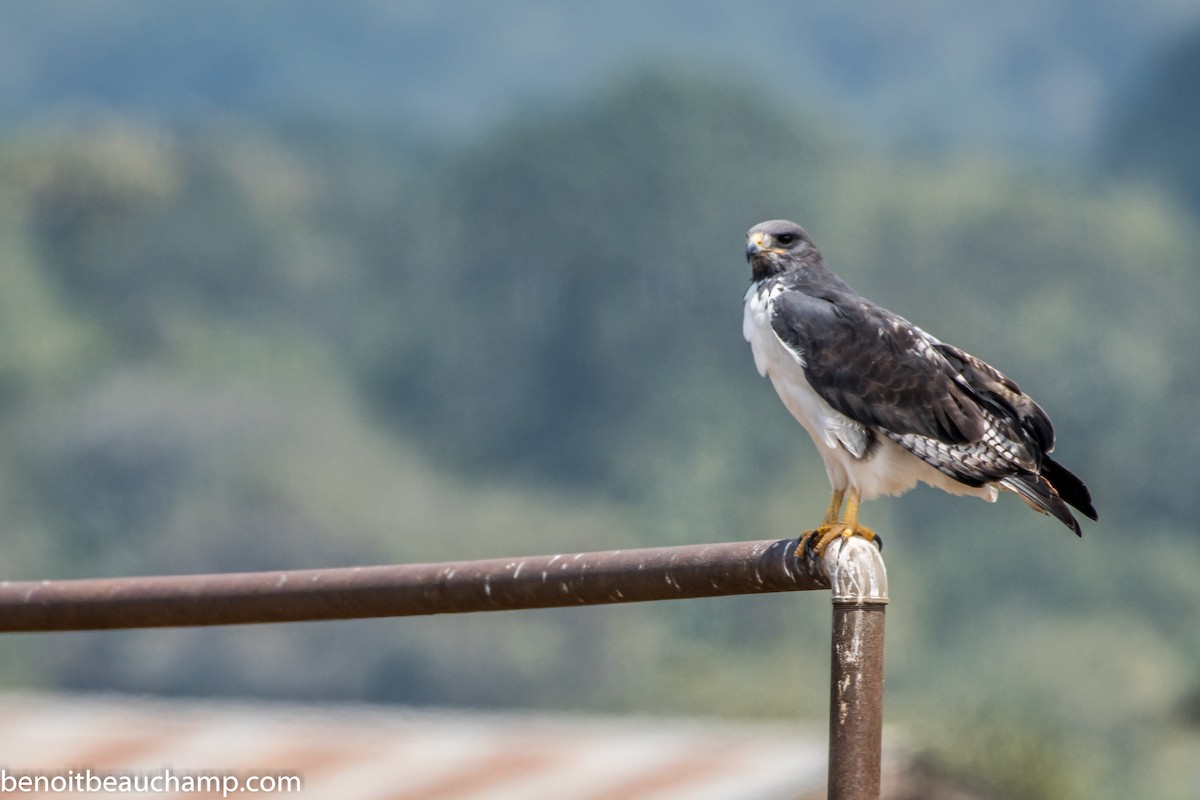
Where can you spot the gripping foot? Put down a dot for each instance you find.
(815, 541)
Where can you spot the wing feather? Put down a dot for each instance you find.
(1001, 395)
(876, 368)
(952, 410)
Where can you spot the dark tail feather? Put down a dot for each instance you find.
(1068, 486)
(1038, 492)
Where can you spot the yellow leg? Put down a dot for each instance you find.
(847, 527)
(835, 507)
(827, 522)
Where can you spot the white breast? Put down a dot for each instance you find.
(785, 368)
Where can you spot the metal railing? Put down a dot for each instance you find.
(851, 568)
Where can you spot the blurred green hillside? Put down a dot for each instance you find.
(1153, 131)
(233, 348)
(243, 333)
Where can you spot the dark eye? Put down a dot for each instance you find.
(787, 239)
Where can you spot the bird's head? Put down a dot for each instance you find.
(778, 246)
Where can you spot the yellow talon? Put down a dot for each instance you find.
(831, 527)
(845, 531)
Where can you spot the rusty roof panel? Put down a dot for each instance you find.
(374, 753)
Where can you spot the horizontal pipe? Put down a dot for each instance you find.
(618, 576)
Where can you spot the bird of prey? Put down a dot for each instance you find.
(886, 404)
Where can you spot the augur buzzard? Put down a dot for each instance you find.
(887, 404)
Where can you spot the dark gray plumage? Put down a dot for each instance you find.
(886, 403)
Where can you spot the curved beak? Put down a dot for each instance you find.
(758, 242)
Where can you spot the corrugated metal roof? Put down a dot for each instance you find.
(377, 753)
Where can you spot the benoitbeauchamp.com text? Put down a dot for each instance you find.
(165, 781)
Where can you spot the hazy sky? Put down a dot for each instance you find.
(1021, 75)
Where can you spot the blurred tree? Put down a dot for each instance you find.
(1156, 130)
(572, 288)
(567, 305)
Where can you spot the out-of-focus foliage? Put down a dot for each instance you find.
(576, 281)
(1154, 130)
(234, 347)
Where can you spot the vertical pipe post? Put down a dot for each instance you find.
(860, 594)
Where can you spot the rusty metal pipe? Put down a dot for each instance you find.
(860, 594)
(618, 576)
